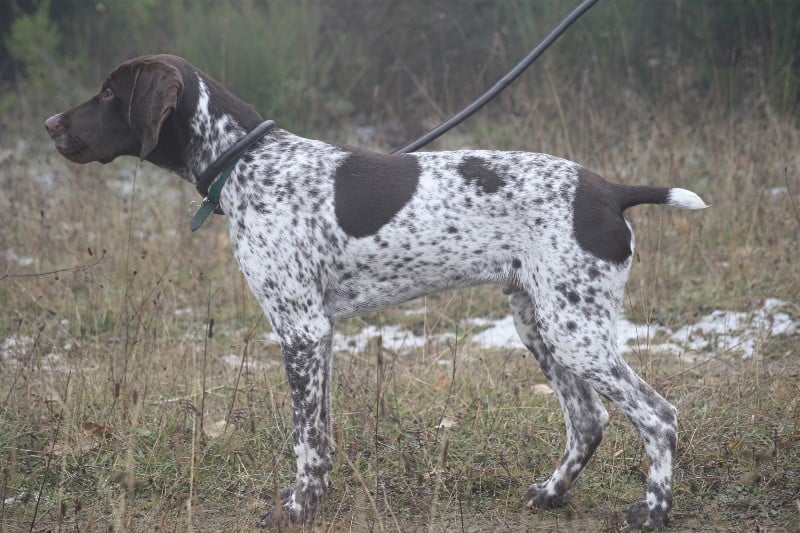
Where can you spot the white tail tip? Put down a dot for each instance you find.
(685, 199)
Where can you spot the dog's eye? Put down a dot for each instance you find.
(107, 94)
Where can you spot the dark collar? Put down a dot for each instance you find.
(214, 169)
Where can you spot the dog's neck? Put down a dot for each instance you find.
(208, 120)
(216, 125)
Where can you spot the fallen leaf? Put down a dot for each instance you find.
(89, 437)
(215, 429)
(446, 423)
(436, 472)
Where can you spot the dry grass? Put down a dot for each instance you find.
(112, 393)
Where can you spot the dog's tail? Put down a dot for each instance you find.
(631, 195)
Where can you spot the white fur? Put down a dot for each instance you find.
(685, 199)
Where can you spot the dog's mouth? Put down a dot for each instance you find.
(69, 150)
(70, 147)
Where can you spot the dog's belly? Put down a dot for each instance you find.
(363, 292)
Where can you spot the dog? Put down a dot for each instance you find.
(323, 232)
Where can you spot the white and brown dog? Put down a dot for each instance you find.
(322, 232)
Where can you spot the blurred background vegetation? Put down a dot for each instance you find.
(396, 68)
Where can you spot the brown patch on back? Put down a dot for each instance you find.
(370, 188)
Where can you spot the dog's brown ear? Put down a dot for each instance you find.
(156, 90)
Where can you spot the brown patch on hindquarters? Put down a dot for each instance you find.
(598, 206)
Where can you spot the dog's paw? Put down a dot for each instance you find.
(641, 516)
(538, 497)
(275, 518)
(288, 511)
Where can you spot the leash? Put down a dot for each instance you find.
(504, 82)
(213, 178)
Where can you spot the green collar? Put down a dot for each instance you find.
(211, 202)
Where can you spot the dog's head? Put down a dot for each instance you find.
(125, 117)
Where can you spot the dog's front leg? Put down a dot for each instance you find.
(307, 356)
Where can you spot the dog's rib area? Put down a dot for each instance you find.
(440, 238)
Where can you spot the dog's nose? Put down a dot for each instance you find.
(52, 124)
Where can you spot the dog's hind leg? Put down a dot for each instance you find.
(584, 413)
(582, 337)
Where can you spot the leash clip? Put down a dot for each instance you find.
(206, 208)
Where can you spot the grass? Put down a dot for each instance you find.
(118, 412)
